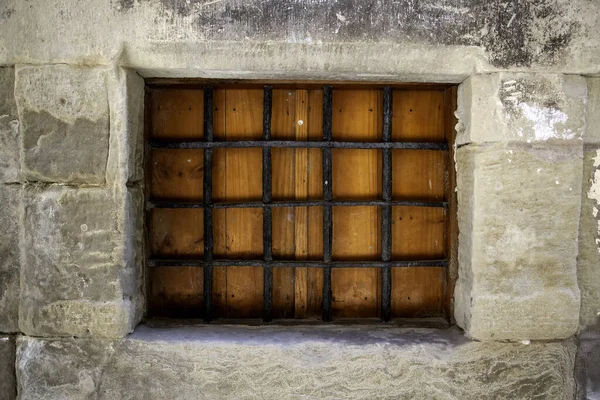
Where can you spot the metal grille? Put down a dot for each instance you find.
(326, 145)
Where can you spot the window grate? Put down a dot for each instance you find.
(267, 204)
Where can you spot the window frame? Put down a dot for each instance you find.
(386, 145)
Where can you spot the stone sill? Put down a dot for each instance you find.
(276, 362)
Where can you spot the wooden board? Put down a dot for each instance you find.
(356, 174)
(176, 175)
(418, 233)
(237, 176)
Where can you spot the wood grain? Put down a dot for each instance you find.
(240, 118)
(423, 114)
(356, 174)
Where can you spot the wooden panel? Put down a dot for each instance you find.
(314, 276)
(418, 233)
(177, 114)
(418, 175)
(417, 292)
(177, 232)
(219, 169)
(283, 163)
(177, 175)
(418, 115)
(356, 230)
(240, 118)
(301, 178)
(176, 292)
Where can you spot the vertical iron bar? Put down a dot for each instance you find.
(267, 211)
(207, 198)
(386, 210)
(327, 195)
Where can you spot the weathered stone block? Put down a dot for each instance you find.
(592, 134)
(521, 107)
(8, 384)
(126, 95)
(9, 128)
(64, 123)
(588, 260)
(10, 196)
(78, 277)
(518, 217)
(305, 362)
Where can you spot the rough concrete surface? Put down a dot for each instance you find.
(306, 362)
(317, 36)
(64, 123)
(77, 278)
(521, 107)
(517, 271)
(10, 257)
(8, 383)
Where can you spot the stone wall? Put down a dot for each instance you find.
(527, 299)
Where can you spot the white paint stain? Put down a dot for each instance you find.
(594, 192)
(545, 122)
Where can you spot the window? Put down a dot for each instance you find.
(299, 201)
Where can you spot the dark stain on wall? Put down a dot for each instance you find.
(514, 33)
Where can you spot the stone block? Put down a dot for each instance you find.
(233, 362)
(521, 107)
(8, 383)
(518, 218)
(77, 277)
(592, 134)
(126, 94)
(64, 123)
(10, 197)
(588, 260)
(9, 128)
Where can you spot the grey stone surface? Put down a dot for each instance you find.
(8, 383)
(78, 277)
(518, 216)
(9, 128)
(521, 107)
(126, 98)
(587, 364)
(230, 362)
(592, 134)
(10, 257)
(588, 260)
(64, 123)
(434, 37)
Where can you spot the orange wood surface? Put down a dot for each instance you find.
(417, 233)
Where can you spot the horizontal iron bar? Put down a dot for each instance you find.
(307, 203)
(294, 264)
(161, 144)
